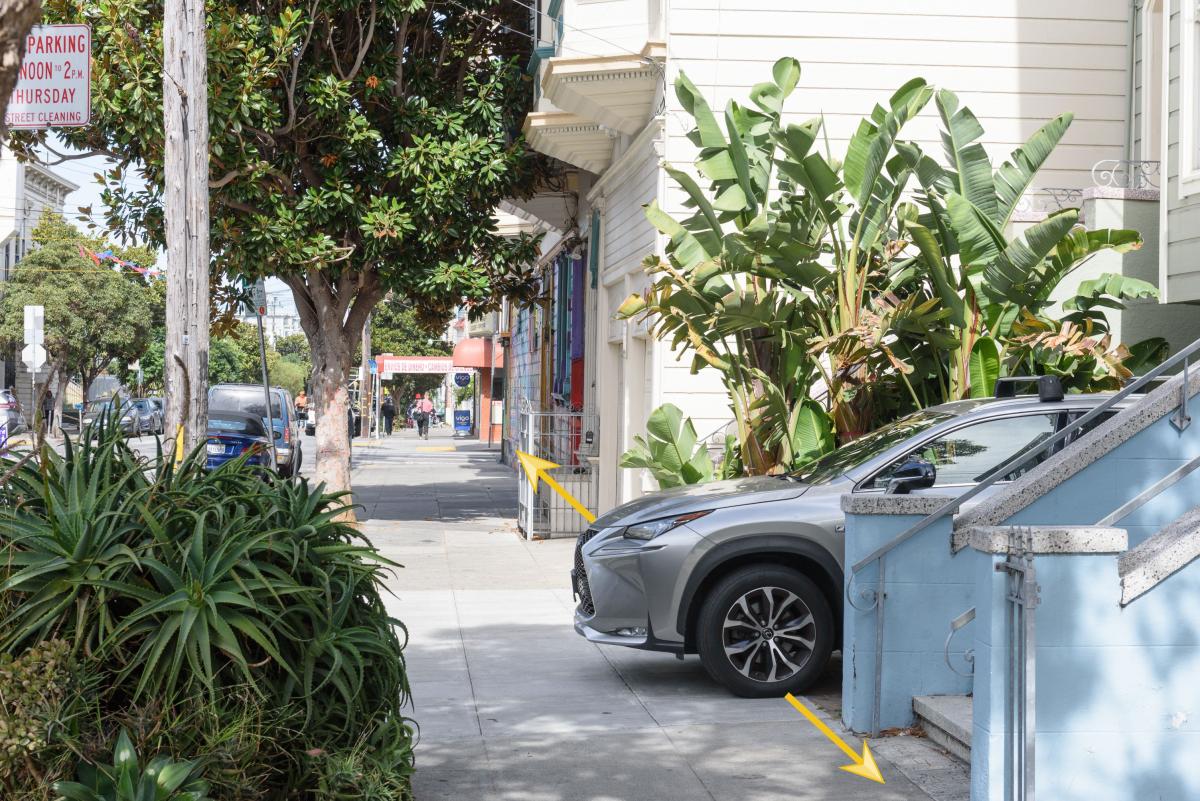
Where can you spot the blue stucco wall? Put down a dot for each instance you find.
(926, 587)
(1120, 476)
(1118, 690)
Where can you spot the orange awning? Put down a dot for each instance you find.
(473, 352)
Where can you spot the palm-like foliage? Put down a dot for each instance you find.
(889, 279)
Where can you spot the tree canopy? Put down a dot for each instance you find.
(94, 314)
(366, 144)
(356, 149)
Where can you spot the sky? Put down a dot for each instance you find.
(82, 172)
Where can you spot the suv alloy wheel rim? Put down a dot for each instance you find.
(768, 634)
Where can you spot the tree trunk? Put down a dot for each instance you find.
(16, 18)
(60, 392)
(331, 364)
(332, 314)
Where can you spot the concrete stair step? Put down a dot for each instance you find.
(946, 719)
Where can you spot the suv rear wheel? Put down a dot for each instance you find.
(765, 631)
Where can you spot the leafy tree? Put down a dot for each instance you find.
(295, 347)
(225, 362)
(356, 149)
(94, 315)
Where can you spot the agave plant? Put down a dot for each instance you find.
(185, 587)
(162, 779)
(66, 531)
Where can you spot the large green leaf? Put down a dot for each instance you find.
(970, 161)
(984, 366)
(1013, 177)
(979, 241)
(1019, 275)
(670, 450)
(708, 132)
(810, 432)
(697, 195)
(739, 157)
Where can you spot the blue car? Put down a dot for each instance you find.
(231, 434)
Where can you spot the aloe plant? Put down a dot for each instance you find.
(162, 779)
(182, 587)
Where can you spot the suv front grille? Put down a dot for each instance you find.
(581, 583)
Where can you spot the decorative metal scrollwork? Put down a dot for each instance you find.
(1123, 174)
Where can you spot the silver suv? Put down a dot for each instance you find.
(748, 573)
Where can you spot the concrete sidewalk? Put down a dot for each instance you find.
(514, 706)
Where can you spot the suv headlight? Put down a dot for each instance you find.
(652, 528)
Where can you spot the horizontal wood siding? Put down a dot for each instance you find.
(1016, 63)
(628, 236)
(1183, 215)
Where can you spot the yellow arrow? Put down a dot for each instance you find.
(863, 766)
(536, 468)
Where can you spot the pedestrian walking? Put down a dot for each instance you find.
(388, 410)
(424, 407)
(48, 411)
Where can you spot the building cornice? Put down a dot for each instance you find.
(628, 160)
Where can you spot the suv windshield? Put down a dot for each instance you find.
(851, 455)
(248, 400)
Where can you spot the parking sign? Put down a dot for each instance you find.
(54, 85)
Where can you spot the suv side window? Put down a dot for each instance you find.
(967, 455)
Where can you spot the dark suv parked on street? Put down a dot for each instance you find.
(748, 573)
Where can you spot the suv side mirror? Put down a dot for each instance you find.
(913, 474)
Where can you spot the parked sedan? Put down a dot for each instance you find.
(150, 416)
(232, 434)
(129, 417)
(11, 415)
(748, 573)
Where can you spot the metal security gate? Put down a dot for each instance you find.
(1020, 725)
(569, 439)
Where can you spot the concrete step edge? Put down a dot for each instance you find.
(940, 716)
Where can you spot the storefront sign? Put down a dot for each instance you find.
(462, 420)
(390, 366)
(54, 86)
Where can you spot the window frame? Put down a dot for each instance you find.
(1188, 157)
(863, 485)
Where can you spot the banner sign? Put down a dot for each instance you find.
(54, 86)
(390, 366)
(462, 420)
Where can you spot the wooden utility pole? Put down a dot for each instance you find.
(185, 203)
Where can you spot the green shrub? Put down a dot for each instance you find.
(37, 694)
(162, 779)
(224, 616)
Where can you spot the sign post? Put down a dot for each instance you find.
(33, 354)
(54, 85)
(260, 308)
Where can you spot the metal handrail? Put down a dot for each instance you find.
(1021, 458)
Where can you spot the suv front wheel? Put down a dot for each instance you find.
(765, 631)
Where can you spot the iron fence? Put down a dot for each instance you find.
(569, 439)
